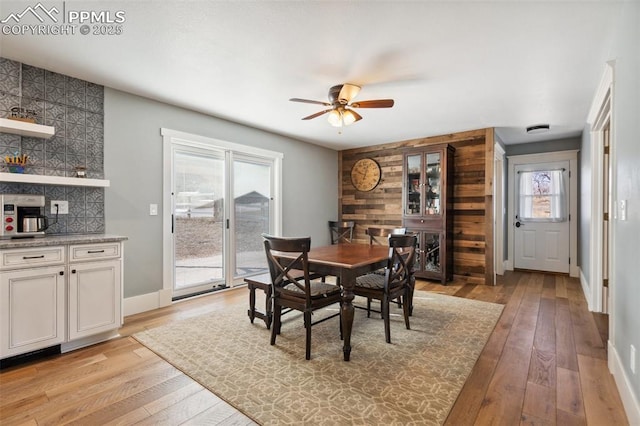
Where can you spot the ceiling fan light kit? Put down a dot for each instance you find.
(342, 117)
(349, 117)
(335, 118)
(341, 112)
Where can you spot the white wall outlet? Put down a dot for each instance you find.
(153, 210)
(63, 206)
(632, 359)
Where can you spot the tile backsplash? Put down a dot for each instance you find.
(75, 108)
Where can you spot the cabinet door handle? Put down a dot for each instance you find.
(95, 251)
(61, 272)
(33, 257)
(73, 271)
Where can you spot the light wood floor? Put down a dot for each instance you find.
(545, 364)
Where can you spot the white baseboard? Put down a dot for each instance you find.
(146, 302)
(574, 271)
(165, 296)
(586, 290)
(508, 265)
(629, 399)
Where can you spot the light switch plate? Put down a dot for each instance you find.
(622, 209)
(153, 210)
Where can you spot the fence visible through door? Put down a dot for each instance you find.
(219, 197)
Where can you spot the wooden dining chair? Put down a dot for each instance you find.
(397, 281)
(341, 232)
(289, 290)
(381, 236)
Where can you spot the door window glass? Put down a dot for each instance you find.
(542, 196)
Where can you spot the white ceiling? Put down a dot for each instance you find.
(450, 66)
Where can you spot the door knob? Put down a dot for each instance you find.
(518, 224)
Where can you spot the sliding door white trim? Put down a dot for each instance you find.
(172, 138)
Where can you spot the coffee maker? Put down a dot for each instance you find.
(22, 216)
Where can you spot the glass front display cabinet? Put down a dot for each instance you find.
(428, 208)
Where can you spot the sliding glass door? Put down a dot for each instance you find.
(222, 200)
(252, 213)
(198, 220)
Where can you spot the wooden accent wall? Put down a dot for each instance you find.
(472, 197)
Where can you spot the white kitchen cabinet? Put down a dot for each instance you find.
(94, 297)
(67, 295)
(32, 306)
(95, 289)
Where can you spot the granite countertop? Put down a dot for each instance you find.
(60, 240)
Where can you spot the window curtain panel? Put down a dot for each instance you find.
(535, 187)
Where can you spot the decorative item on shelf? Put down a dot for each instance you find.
(81, 171)
(16, 162)
(23, 114)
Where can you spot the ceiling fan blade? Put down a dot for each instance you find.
(348, 92)
(356, 115)
(317, 114)
(309, 101)
(377, 103)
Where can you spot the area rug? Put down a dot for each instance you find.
(414, 380)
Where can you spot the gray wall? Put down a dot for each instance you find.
(625, 317)
(133, 163)
(626, 134)
(538, 148)
(545, 146)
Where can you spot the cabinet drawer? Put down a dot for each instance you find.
(423, 223)
(94, 251)
(31, 257)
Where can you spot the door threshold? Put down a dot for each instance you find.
(541, 272)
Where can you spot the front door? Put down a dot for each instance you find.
(541, 233)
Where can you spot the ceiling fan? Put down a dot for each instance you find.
(341, 112)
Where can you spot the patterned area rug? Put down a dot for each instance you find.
(414, 380)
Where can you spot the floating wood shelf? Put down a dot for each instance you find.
(53, 180)
(24, 128)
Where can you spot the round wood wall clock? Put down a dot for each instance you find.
(365, 174)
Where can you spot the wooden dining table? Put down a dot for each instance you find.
(347, 261)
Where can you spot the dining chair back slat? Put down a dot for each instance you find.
(341, 232)
(381, 235)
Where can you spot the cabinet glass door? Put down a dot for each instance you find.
(433, 184)
(413, 183)
(431, 252)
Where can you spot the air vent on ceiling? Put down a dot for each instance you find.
(538, 128)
